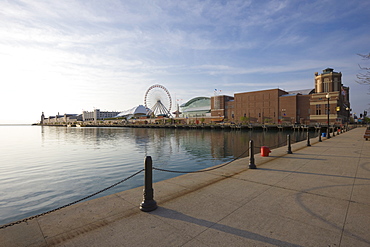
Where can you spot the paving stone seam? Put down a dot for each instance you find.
(300, 191)
(92, 225)
(350, 198)
(42, 232)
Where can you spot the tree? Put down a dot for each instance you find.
(244, 119)
(364, 78)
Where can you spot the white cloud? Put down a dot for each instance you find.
(107, 53)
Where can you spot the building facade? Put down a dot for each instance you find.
(60, 119)
(266, 106)
(330, 95)
(222, 107)
(196, 107)
(278, 106)
(98, 115)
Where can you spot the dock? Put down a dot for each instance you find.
(317, 196)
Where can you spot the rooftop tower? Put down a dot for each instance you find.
(328, 81)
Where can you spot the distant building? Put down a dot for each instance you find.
(279, 106)
(137, 111)
(329, 84)
(196, 107)
(222, 108)
(266, 106)
(60, 119)
(98, 115)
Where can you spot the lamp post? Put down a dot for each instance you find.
(348, 116)
(328, 108)
(348, 113)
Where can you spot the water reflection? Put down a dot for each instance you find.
(166, 142)
(58, 165)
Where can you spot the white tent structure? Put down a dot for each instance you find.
(137, 111)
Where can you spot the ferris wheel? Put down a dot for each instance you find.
(158, 100)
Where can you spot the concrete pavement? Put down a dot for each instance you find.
(317, 196)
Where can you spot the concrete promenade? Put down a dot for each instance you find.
(317, 196)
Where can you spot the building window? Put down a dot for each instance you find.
(318, 109)
(326, 87)
(327, 109)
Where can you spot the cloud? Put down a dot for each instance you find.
(113, 48)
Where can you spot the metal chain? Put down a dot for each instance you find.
(205, 170)
(283, 143)
(72, 203)
(214, 168)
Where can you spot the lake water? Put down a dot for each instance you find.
(43, 168)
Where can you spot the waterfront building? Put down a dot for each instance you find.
(328, 84)
(135, 112)
(294, 107)
(60, 119)
(266, 106)
(196, 107)
(98, 115)
(278, 106)
(222, 108)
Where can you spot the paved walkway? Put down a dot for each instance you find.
(317, 196)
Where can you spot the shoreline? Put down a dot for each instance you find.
(214, 126)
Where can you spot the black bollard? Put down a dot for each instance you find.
(148, 203)
(333, 131)
(308, 139)
(320, 135)
(289, 146)
(328, 133)
(252, 165)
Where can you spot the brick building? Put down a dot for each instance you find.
(266, 106)
(328, 84)
(279, 106)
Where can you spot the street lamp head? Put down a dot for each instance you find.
(327, 96)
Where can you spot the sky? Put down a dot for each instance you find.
(73, 55)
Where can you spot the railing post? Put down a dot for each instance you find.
(148, 203)
(289, 146)
(320, 135)
(252, 165)
(308, 139)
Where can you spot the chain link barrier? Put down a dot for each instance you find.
(281, 144)
(72, 203)
(204, 170)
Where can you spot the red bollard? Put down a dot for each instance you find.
(265, 151)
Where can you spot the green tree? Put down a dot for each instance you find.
(244, 119)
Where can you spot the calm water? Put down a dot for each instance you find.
(43, 168)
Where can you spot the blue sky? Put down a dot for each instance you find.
(68, 56)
